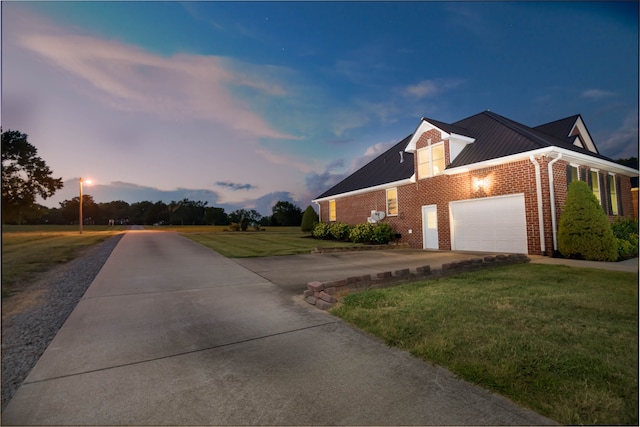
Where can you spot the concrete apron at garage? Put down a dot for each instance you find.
(292, 273)
(172, 333)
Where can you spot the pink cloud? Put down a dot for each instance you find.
(182, 87)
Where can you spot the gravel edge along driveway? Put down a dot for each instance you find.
(31, 320)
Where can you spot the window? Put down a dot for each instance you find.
(332, 210)
(431, 160)
(572, 174)
(613, 195)
(595, 185)
(392, 201)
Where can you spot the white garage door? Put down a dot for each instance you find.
(493, 224)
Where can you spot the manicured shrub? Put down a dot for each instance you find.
(309, 219)
(321, 231)
(626, 232)
(361, 233)
(584, 231)
(340, 231)
(382, 234)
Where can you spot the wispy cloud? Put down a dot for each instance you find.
(623, 141)
(430, 88)
(235, 186)
(181, 87)
(597, 94)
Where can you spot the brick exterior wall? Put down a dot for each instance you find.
(511, 178)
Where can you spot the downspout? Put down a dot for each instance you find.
(319, 211)
(543, 247)
(552, 199)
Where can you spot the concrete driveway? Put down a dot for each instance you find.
(171, 333)
(292, 273)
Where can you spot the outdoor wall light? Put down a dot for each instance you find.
(482, 184)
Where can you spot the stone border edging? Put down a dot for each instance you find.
(323, 295)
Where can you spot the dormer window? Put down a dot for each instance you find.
(431, 160)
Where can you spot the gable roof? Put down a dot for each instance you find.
(497, 136)
(494, 137)
(570, 129)
(384, 169)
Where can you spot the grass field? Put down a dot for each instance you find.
(274, 241)
(30, 250)
(562, 341)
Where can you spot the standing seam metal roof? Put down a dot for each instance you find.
(494, 136)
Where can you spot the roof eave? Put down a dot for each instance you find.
(583, 159)
(367, 189)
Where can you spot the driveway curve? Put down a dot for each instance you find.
(172, 333)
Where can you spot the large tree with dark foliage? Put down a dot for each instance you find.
(24, 176)
(286, 213)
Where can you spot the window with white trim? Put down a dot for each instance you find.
(392, 201)
(332, 210)
(595, 185)
(431, 160)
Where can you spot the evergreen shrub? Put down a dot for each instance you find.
(382, 234)
(340, 231)
(321, 231)
(309, 219)
(626, 232)
(361, 233)
(584, 231)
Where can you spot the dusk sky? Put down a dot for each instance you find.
(242, 104)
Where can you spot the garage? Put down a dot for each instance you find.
(492, 224)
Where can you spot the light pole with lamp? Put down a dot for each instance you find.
(81, 181)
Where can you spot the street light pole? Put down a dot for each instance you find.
(80, 205)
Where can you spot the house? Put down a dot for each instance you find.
(483, 183)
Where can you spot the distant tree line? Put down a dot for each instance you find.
(183, 212)
(25, 176)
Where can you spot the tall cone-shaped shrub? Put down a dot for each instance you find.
(584, 231)
(309, 219)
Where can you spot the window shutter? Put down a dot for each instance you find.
(589, 181)
(619, 193)
(583, 173)
(603, 192)
(568, 175)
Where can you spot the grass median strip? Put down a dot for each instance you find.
(562, 341)
(30, 250)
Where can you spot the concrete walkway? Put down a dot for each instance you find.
(171, 333)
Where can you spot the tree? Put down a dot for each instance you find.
(250, 216)
(286, 214)
(584, 230)
(70, 210)
(24, 176)
(309, 219)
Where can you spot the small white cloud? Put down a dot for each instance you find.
(597, 94)
(430, 88)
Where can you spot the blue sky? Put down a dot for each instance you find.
(242, 104)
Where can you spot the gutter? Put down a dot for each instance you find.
(543, 247)
(552, 199)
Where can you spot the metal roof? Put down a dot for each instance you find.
(495, 136)
(384, 169)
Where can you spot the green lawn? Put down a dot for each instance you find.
(562, 341)
(273, 241)
(29, 250)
